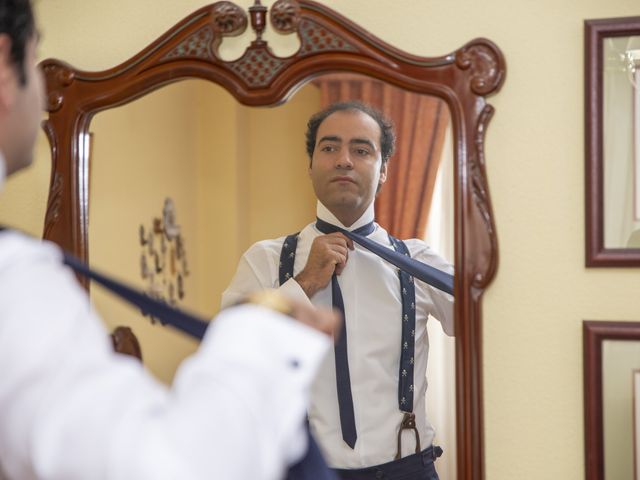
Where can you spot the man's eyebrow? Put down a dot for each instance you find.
(330, 138)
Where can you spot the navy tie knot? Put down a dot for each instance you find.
(326, 227)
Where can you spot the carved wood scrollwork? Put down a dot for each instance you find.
(480, 191)
(228, 19)
(486, 65)
(57, 78)
(285, 16)
(329, 42)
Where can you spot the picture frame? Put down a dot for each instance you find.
(595, 334)
(636, 424)
(636, 145)
(624, 250)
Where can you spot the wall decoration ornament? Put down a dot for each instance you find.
(163, 259)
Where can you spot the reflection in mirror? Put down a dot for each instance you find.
(619, 361)
(229, 170)
(237, 175)
(621, 141)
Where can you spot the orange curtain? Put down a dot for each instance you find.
(420, 122)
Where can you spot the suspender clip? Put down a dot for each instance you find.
(408, 423)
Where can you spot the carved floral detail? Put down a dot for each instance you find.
(58, 77)
(480, 193)
(285, 16)
(197, 45)
(316, 38)
(228, 19)
(54, 203)
(485, 64)
(257, 67)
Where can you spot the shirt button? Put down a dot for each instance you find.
(379, 474)
(294, 363)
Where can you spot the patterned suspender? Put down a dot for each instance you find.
(287, 257)
(408, 295)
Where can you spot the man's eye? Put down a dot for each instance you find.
(328, 148)
(362, 151)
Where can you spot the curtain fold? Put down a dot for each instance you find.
(420, 123)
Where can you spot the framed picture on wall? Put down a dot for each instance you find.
(636, 143)
(612, 150)
(636, 424)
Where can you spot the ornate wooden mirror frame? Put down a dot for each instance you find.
(329, 43)
(595, 32)
(594, 333)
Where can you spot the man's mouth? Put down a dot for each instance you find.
(342, 179)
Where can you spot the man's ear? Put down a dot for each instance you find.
(383, 174)
(7, 72)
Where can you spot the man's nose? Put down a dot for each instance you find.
(343, 160)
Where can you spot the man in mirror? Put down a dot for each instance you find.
(71, 408)
(368, 402)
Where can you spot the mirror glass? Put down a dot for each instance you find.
(620, 366)
(189, 156)
(621, 141)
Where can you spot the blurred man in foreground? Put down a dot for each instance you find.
(70, 408)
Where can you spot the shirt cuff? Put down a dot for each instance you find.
(262, 333)
(292, 289)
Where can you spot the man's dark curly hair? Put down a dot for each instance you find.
(387, 134)
(17, 21)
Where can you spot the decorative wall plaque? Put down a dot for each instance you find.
(163, 259)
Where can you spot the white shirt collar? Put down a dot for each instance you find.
(323, 213)
(3, 171)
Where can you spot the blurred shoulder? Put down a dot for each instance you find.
(18, 249)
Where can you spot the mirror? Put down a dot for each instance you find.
(236, 175)
(611, 364)
(613, 141)
(328, 43)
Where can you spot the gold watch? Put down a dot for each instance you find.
(273, 299)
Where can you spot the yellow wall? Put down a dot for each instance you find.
(534, 309)
(226, 167)
(143, 153)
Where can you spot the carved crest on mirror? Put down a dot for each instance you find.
(329, 43)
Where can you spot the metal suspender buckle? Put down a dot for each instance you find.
(408, 423)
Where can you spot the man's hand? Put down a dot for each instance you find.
(329, 255)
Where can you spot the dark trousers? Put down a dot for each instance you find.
(419, 466)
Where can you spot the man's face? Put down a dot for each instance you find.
(346, 168)
(22, 110)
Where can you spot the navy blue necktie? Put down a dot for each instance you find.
(408, 266)
(428, 274)
(343, 379)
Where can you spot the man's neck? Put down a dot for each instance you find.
(347, 223)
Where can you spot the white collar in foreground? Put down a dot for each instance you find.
(323, 213)
(3, 171)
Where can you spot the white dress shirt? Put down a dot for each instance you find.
(71, 408)
(371, 293)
